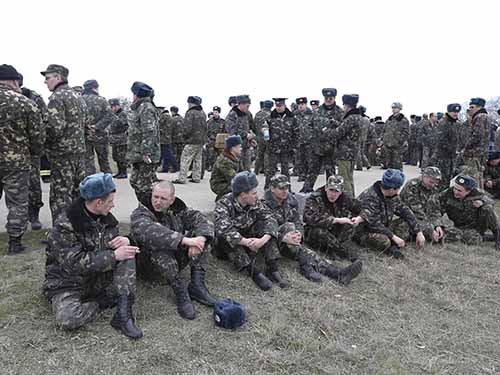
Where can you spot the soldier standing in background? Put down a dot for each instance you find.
(303, 116)
(118, 138)
(215, 126)
(429, 130)
(361, 156)
(239, 122)
(447, 143)
(166, 131)
(314, 105)
(261, 124)
(396, 134)
(177, 134)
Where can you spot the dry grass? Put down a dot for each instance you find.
(436, 312)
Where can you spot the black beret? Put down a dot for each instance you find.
(216, 109)
(174, 109)
(8, 73)
(141, 90)
(268, 104)
(314, 102)
(302, 100)
(478, 101)
(454, 107)
(90, 84)
(329, 92)
(466, 181)
(196, 100)
(350, 99)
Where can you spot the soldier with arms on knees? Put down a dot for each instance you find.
(228, 164)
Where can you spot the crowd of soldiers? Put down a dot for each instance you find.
(91, 267)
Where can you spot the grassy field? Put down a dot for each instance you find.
(436, 312)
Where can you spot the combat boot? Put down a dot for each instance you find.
(260, 279)
(395, 252)
(34, 219)
(197, 289)
(184, 306)
(496, 234)
(123, 320)
(306, 269)
(274, 275)
(15, 246)
(345, 275)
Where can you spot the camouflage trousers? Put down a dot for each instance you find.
(75, 308)
(246, 158)
(177, 151)
(212, 154)
(362, 159)
(102, 151)
(35, 192)
(15, 186)
(262, 156)
(165, 265)
(142, 178)
(331, 242)
(119, 153)
(393, 157)
(191, 154)
(66, 173)
(346, 170)
(316, 162)
(371, 153)
(473, 167)
(426, 156)
(447, 168)
(284, 159)
(303, 160)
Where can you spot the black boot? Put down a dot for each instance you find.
(345, 275)
(274, 275)
(123, 320)
(197, 288)
(260, 279)
(306, 269)
(496, 235)
(34, 219)
(184, 306)
(395, 252)
(15, 246)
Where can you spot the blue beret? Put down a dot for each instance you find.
(96, 186)
(268, 104)
(478, 101)
(350, 99)
(141, 90)
(90, 84)
(244, 182)
(329, 92)
(229, 314)
(233, 141)
(393, 179)
(196, 100)
(466, 181)
(454, 107)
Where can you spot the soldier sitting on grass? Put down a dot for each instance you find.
(226, 166)
(492, 174)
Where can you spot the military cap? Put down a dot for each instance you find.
(393, 179)
(492, 155)
(243, 99)
(466, 181)
(350, 99)
(232, 100)
(141, 90)
(335, 182)
(279, 181)
(268, 104)
(454, 107)
(397, 105)
(96, 186)
(174, 109)
(433, 172)
(302, 100)
(90, 84)
(9, 73)
(418, 118)
(229, 314)
(216, 108)
(377, 118)
(329, 92)
(261, 104)
(232, 141)
(114, 101)
(478, 101)
(278, 101)
(244, 182)
(210, 114)
(54, 68)
(439, 115)
(314, 102)
(196, 100)
(413, 116)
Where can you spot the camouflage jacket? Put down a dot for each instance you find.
(396, 131)
(66, 123)
(304, 125)
(379, 129)
(416, 133)
(365, 128)
(225, 168)
(118, 129)
(78, 250)
(378, 212)
(319, 212)
(232, 220)
(477, 143)
(463, 134)
(33, 95)
(422, 201)
(492, 173)
(166, 128)
(143, 132)
(195, 126)
(215, 126)
(323, 120)
(99, 115)
(177, 132)
(347, 135)
(429, 133)
(282, 132)
(159, 231)
(288, 212)
(371, 135)
(21, 130)
(239, 123)
(462, 211)
(446, 138)
(260, 122)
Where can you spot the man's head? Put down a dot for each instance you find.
(396, 107)
(280, 187)
(463, 186)
(475, 105)
(453, 110)
(162, 196)
(54, 75)
(243, 103)
(280, 104)
(267, 104)
(314, 104)
(216, 112)
(431, 177)
(174, 110)
(10, 76)
(141, 90)
(115, 104)
(91, 85)
(350, 101)
(329, 94)
(98, 191)
(232, 101)
(233, 145)
(433, 117)
(244, 187)
(194, 101)
(301, 104)
(391, 183)
(334, 188)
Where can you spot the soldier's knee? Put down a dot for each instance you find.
(76, 315)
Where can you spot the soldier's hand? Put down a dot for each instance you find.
(398, 241)
(477, 203)
(437, 234)
(119, 241)
(357, 220)
(126, 252)
(198, 242)
(147, 159)
(420, 239)
(489, 184)
(342, 220)
(194, 252)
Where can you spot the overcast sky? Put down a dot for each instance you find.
(425, 54)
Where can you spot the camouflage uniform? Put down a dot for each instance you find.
(232, 222)
(177, 136)
(372, 144)
(81, 272)
(261, 120)
(240, 123)
(446, 148)
(476, 149)
(195, 136)
(379, 223)
(429, 134)
(320, 230)
(396, 134)
(21, 140)
(118, 139)
(167, 153)
(492, 173)
(303, 154)
(99, 117)
(361, 155)
(324, 119)
(415, 144)
(65, 147)
(143, 139)
(215, 126)
(225, 168)
(282, 135)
